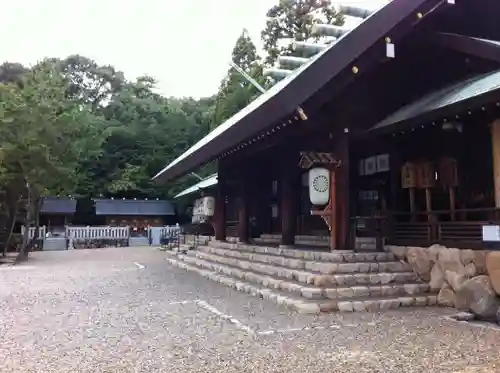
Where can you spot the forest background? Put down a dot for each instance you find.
(72, 127)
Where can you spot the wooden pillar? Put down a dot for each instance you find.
(395, 164)
(243, 209)
(220, 208)
(288, 209)
(495, 137)
(342, 195)
(259, 205)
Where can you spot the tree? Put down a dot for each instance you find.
(235, 91)
(88, 82)
(41, 132)
(293, 20)
(10, 185)
(144, 130)
(74, 127)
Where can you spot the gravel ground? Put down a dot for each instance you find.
(126, 310)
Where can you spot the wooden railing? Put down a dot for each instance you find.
(369, 227)
(412, 231)
(42, 231)
(232, 228)
(101, 233)
(437, 227)
(97, 233)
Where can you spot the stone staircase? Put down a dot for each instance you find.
(321, 242)
(301, 240)
(310, 281)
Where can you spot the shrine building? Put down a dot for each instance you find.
(388, 133)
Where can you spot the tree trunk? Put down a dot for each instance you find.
(13, 211)
(32, 213)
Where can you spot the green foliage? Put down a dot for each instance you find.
(72, 126)
(40, 131)
(293, 20)
(235, 91)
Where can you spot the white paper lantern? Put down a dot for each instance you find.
(208, 206)
(204, 206)
(319, 186)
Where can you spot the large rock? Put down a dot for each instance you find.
(446, 296)
(478, 296)
(434, 251)
(471, 270)
(493, 269)
(480, 261)
(399, 252)
(467, 256)
(454, 279)
(418, 258)
(449, 260)
(437, 278)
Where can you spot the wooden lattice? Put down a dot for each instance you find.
(308, 159)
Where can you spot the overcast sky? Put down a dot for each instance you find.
(184, 44)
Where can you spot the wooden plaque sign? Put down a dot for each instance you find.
(426, 175)
(448, 172)
(409, 175)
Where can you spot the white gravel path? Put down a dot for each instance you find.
(126, 310)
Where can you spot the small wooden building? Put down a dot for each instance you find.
(56, 213)
(403, 110)
(137, 214)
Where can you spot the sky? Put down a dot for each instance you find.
(185, 44)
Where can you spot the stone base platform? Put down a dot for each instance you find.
(310, 281)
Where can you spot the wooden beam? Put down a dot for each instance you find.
(293, 132)
(482, 48)
(219, 223)
(343, 194)
(495, 137)
(243, 206)
(287, 208)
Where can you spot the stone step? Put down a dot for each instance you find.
(371, 304)
(324, 239)
(286, 261)
(366, 243)
(309, 291)
(366, 239)
(349, 279)
(312, 269)
(277, 241)
(335, 256)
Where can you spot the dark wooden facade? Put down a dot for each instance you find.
(417, 107)
(137, 214)
(56, 213)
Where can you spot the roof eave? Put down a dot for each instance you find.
(331, 62)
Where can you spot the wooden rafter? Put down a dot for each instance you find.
(482, 48)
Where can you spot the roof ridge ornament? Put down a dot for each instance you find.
(252, 81)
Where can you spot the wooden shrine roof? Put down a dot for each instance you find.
(112, 207)
(58, 205)
(474, 91)
(281, 101)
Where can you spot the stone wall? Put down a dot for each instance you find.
(468, 280)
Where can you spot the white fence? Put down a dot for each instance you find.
(97, 233)
(171, 230)
(89, 233)
(31, 233)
